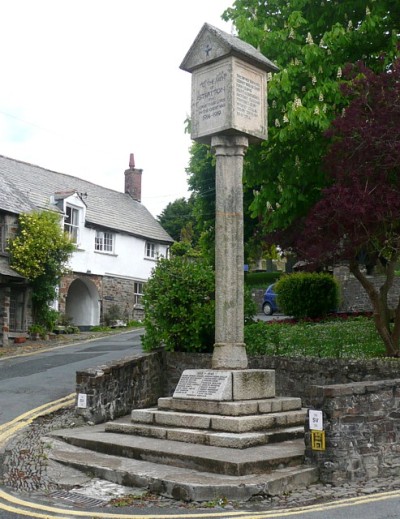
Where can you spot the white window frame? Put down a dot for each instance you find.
(72, 228)
(151, 250)
(104, 242)
(138, 291)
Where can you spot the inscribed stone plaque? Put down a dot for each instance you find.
(204, 385)
(229, 97)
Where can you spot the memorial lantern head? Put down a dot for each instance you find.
(229, 86)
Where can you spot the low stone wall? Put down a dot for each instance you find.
(294, 375)
(114, 389)
(362, 427)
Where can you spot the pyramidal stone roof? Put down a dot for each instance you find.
(25, 187)
(212, 44)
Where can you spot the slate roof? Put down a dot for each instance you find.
(24, 186)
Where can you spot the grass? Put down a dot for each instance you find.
(351, 338)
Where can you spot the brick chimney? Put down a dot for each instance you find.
(133, 180)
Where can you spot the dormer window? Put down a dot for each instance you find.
(71, 223)
(104, 242)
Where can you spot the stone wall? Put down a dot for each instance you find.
(114, 389)
(120, 291)
(294, 376)
(354, 297)
(362, 427)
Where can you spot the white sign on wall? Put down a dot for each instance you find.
(315, 420)
(82, 401)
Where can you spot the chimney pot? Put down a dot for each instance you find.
(132, 160)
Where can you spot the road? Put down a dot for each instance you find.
(27, 382)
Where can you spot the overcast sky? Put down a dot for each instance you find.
(84, 83)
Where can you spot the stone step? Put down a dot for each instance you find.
(205, 458)
(235, 408)
(205, 437)
(232, 424)
(177, 482)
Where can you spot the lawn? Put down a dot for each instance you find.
(354, 337)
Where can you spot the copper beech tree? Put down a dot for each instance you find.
(357, 219)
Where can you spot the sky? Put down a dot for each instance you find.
(85, 83)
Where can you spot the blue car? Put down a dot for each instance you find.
(269, 305)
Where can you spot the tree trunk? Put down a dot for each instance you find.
(381, 313)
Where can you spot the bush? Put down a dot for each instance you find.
(303, 295)
(179, 306)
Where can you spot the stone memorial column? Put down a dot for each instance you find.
(229, 347)
(229, 110)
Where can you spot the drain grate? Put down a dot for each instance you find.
(77, 499)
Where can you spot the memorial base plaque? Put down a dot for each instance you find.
(204, 385)
(226, 385)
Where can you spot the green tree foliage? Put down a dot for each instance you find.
(307, 294)
(201, 182)
(40, 252)
(311, 41)
(177, 219)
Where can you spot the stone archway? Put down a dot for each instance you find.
(82, 303)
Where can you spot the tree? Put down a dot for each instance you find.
(311, 41)
(177, 219)
(201, 182)
(40, 252)
(358, 216)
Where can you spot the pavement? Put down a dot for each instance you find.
(27, 475)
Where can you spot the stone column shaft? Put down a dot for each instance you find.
(229, 348)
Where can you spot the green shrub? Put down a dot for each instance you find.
(179, 306)
(261, 279)
(303, 295)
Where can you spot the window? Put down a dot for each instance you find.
(138, 292)
(151, 250)
(104, 241)
(71, 223)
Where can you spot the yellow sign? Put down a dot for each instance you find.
(318, 440)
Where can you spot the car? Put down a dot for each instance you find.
(269, 305)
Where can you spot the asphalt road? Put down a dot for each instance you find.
(26, 382)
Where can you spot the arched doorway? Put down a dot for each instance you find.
(82, 304)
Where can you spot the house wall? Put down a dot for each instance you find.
(107, 278)
(128, 258)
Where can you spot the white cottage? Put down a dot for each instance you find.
(118, 242)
